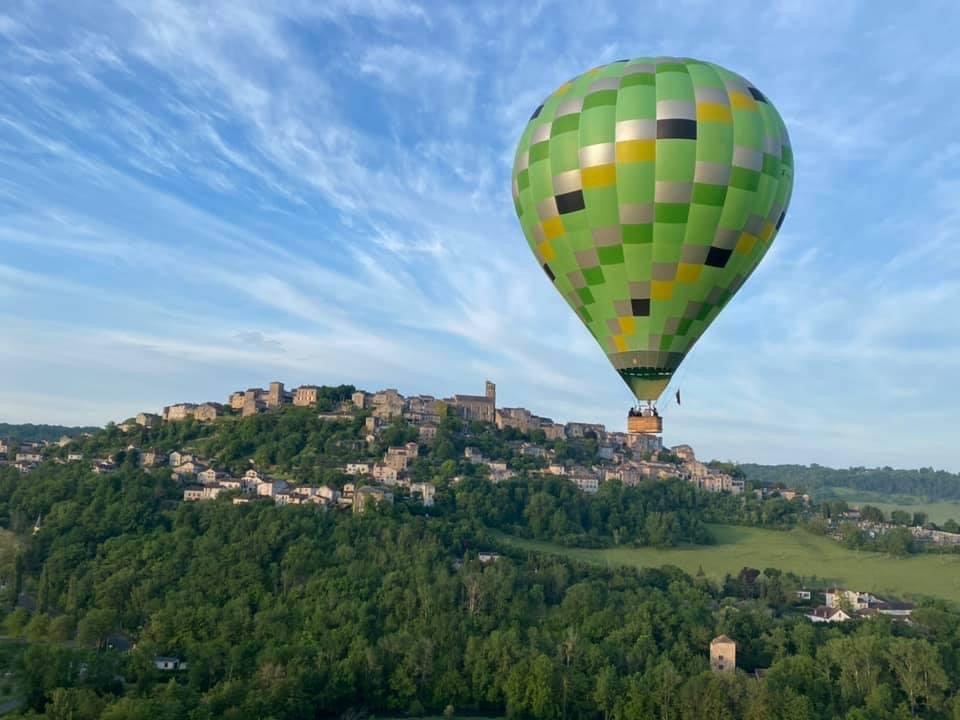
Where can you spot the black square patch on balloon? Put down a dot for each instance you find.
(536, 112)
(549, 272)
(717, 257)
(570, 202)
(757, 95)
(640, 307)
(676, 129)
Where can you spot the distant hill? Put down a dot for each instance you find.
(925, 482)
(41, 432)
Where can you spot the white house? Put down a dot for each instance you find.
(828, 614)
(587, 483)
(270, 489)
(169, 663)
(836, 597)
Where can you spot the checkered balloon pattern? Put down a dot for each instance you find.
(649, 190)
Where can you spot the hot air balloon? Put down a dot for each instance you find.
(649, 190)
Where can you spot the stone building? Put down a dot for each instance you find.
(553, 431)
(424, 409)
(208, 412)
(387, 404)
(684, 452)
(644, 442)
(306, 396)
(182, 411)
(252, 402)
(579, 430)
(366, 494)
(723, 654)
(276, 395)
(360, 399)
(148, 420)
(152, 458)
(482, 408)
(519, 418)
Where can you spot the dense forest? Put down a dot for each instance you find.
(925, 482)
(297, 611)
(40, 433)
(292, 612)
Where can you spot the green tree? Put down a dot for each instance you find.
(898, 541)
(96, 626)
(606, 691)
(38, 627)
(872, 514)
(859, 660)
(916, 665)
(74, 704)
(61, 629)
(15, 623)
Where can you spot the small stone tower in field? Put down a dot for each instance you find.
(723, 654)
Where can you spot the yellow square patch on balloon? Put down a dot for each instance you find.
(618, 343)
(628, 325)
(767, 231)
(598, 176)
(553, 228)
(636, 151)
(545, 250)
(688, 272)
(661, 289)
(745, 244)
(713, 112)
(742, 102)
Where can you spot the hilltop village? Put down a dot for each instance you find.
(386, 436)
(627, 457)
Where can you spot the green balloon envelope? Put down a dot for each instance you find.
(649, 190)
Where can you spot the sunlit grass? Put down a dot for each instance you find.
(797, 551)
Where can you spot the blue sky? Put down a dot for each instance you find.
(200, 197)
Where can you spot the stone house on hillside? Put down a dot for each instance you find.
(723, 654)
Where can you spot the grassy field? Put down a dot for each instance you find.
(938, 512)
(798, 551)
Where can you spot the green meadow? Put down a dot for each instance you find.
(819, 559)
(937, 512)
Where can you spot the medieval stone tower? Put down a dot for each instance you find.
(723, 654)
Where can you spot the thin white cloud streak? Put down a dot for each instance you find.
(424, 250)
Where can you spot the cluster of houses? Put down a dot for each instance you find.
(427, 411)
(28, 455)
(203, 482)
(873, 529)
(618, 458)
(631, 471)
(842, 605)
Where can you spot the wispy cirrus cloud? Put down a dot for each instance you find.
(221, 194)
